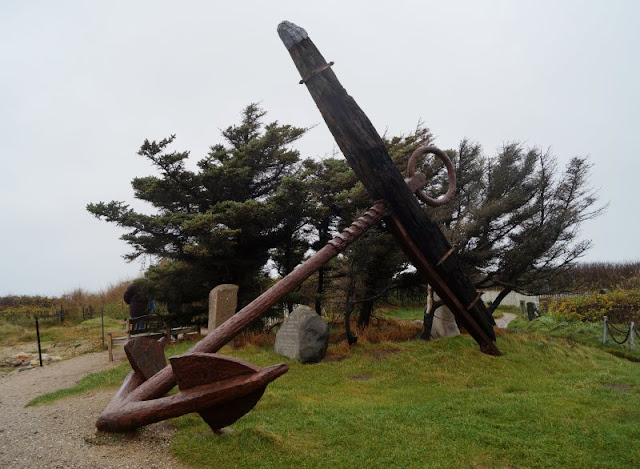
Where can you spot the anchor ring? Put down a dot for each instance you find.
(451, 173)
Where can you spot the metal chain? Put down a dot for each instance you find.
(617, 329)
(616, 340)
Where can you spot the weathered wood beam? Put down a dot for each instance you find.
(421, 239)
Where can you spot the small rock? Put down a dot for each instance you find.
(25, 368)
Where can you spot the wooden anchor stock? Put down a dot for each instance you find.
(420, 238)
(222, 389)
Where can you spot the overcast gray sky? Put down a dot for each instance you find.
(82, 84)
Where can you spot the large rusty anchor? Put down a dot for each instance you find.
(222, 389)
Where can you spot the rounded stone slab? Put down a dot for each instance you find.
(303, 336)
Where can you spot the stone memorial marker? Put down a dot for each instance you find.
(223, 301)
(444, 323)
(304, 336)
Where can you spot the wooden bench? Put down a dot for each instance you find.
(150, 325)
(183, 324)
(144, 326)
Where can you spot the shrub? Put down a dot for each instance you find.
(620, 306)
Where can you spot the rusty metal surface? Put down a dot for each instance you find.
(315, 72)
(197, 369)
(125, 415)
(146, 355)
(451, 174)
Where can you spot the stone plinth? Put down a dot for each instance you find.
(444, 323)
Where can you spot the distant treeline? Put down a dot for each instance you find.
(74, 302)
(14, 301)
(595, 276)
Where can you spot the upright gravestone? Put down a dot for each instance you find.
(223, 301)
(303, 336)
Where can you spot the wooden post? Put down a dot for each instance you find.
(110, 345)
(102, 324)
(38, 337)
(364, 150)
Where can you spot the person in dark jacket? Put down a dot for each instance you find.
(138, 304)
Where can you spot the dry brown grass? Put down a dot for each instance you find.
(260, 339)
(110, 295)
(380, 330)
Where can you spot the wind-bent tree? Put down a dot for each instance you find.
(220, 223)
(515, 218)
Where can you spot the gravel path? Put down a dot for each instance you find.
(503, 321)
(63, 435)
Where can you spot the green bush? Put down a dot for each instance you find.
(621, 306)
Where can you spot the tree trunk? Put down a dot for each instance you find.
(365, 152)
(319, 291)
(366, 310)
(351, 337)
(349, 305)
(501, 296)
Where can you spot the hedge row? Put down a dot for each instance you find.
(620, 306)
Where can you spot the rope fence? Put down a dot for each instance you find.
(610, 330)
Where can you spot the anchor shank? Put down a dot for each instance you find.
(164, 380)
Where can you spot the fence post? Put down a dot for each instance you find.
(604, 331)
(632, 340)
(102, 324)
(110, 346)
(38, 336)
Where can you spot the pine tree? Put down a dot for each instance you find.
(220, 223)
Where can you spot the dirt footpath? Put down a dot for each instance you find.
(63, 435)
(503, 321)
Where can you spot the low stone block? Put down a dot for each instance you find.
(304, 336)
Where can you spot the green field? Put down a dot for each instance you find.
(548, 402)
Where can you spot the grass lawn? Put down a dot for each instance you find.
(548, 402)
(443, 404)
(401, 313)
